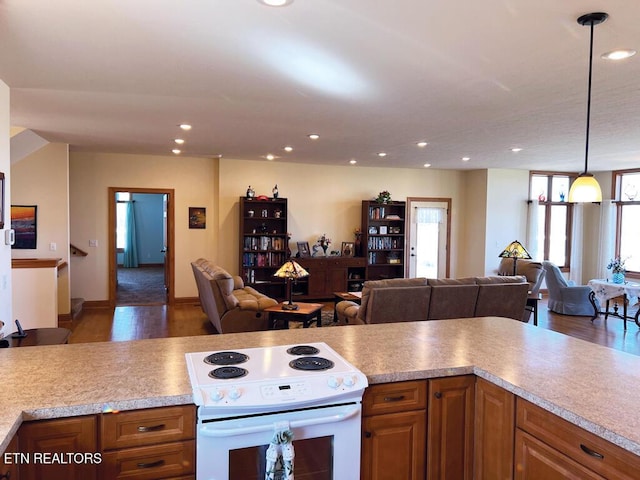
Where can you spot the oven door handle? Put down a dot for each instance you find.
(207, 431)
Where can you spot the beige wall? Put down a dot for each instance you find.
(328, 200)
(195, 182)
(6, 315)
(472, 246)
(42, 179)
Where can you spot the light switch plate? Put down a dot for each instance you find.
(9, 236)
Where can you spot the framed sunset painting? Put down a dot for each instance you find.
(24, 223)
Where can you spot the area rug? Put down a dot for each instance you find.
(327, 321)
(141, 286)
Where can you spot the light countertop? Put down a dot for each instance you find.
(589, 385)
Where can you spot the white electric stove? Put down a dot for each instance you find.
(246, 396)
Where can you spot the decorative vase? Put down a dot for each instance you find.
(618, 278)
(324, 248)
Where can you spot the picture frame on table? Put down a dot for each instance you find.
(348, 249)
(303, 249)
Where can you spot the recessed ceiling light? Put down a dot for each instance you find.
(276, 3)
(185, 126)
(313, 136)
(353, 161)
(466, 159)
(270, 156)
(422, 144)
(288, 148)
(618, 54)
(179, 141)
(177, 151)
(427, 165)
(516, 149)
(382, 154)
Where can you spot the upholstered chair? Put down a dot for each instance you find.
(565, 297)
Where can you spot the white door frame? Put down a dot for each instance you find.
(411, 201)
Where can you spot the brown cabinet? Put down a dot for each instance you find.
(9, 462)
(152, 443)
(494, 432)
(383, 239)
(450, 427)
(394, 431)
(62, 448)
(547, 444)
(328, 275)
(263, 243)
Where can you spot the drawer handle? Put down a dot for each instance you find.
(394, 399)
(157, 463)
(593, 453)
(367, 434)
(152, 428)
(5, 476)
(438, 395)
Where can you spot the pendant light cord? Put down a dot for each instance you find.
(586, 148)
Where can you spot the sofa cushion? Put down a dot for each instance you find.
(391, 282)
(398, 304)
(502, 300)
(452, 281)
(452, 301)
(501, 279)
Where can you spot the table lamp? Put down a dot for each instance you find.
(290, 271)
(515, 250)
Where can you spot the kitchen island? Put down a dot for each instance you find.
(593, 387)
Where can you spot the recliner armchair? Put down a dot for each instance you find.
(565, 297)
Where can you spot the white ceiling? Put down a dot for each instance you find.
(473, 78)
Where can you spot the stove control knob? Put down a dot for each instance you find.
(349, 381)
(234, 393)
(217, 395)
(333, 382)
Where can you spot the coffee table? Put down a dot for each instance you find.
(306, 313)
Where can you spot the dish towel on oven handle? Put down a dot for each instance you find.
(280, 451)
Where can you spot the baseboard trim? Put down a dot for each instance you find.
(96, 304)
(187, 301)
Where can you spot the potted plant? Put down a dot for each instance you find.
(617, 267)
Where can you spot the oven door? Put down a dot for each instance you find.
(326, 442)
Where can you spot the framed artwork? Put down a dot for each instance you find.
(347, 249)
(24, 222)
(1, 200)
(197, 217)
(383, 229)
(303, 249)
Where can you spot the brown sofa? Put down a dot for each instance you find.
(533, 271)
(230, 306)
(414, 299)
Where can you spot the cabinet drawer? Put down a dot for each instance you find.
(395, 397)
(169, 460)
(588, 449)
(147, 427)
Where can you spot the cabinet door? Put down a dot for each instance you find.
(536, 460)
(318, 279)
(337, 281)
(9, 468)
(494, 432)
(393, 446)
(450, 428)
(76, 435)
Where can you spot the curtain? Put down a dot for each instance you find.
(429, 215)
(577, 239)
(130, 244)
(606, 246)
(533, 219)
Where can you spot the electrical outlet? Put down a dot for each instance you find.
(93, 243)
(53, 247)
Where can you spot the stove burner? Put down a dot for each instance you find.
(226, 373)
(226, 358)
(302, 350)
(311, 363)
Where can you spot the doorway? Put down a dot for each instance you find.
(141, 237)
(429, 237)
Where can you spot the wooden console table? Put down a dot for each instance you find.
(40, 336)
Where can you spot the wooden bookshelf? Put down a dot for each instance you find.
(383, 239)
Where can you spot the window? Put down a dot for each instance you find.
(554, 217)
(627, 196)
(121, 218)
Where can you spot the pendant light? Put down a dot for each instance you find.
(585, 188)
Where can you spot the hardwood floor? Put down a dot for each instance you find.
(158, 321)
